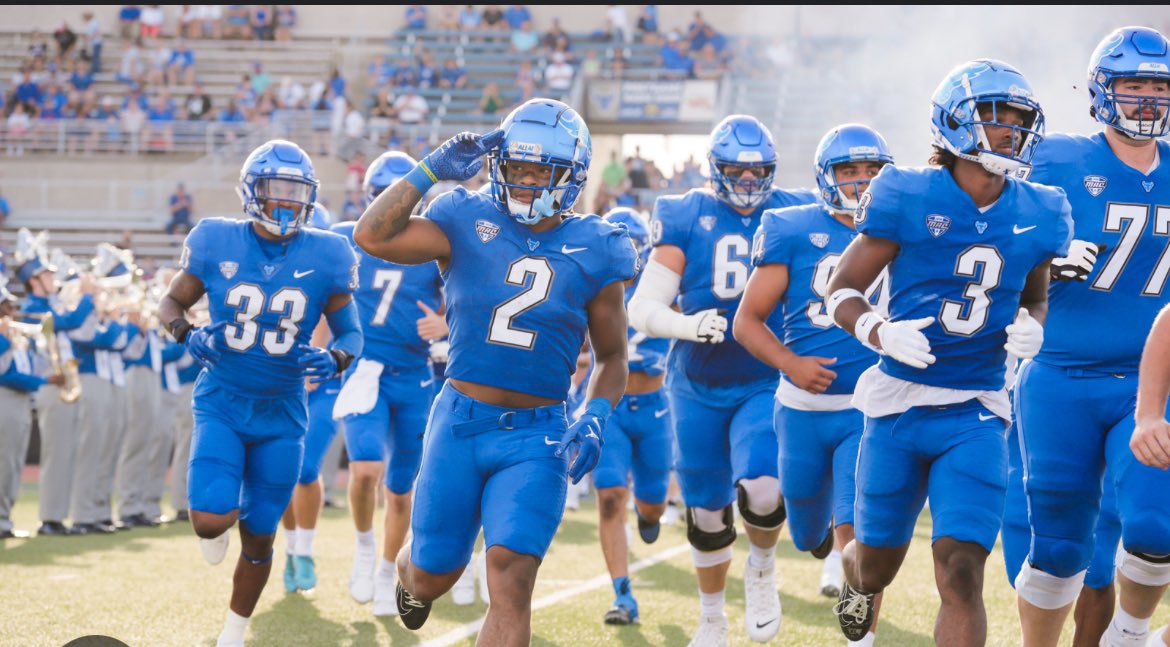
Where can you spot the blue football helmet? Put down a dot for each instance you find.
(547, 132)
(636, 229)
(383, 172)
(958, 127)
(278, 170)
(744, 142)
(1130, 52)
(321, 218)
(847, 143)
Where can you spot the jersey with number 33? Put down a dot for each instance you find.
(717, 242)
(962, 266)
(1101, 324)
(516, 299)
(270, 303)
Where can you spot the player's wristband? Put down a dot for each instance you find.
(179, 329)
(864, 326)
(599, 407)
(342, 358)
(421, 177)
(837, 298)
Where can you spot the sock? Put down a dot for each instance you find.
(711, 604)
(1123, 622)
(621, 585)
(387, 568)
(864, 642)
(365, 539)
(290, 541)
(234, 627)
(761, 558)
(305, 541)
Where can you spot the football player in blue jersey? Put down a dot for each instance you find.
(525, 280)
(794, 252)
(1075, 401)
(268, 279)
(394, 379)
(637, 443)
(721, 396)
(967, 245)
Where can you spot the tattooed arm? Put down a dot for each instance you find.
(388, 231)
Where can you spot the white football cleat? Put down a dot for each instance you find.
(361, 578)
(481, 575)
(672, 515)
(385, 603)
(572, 498)
(761, 616)
(832, 576)
(463, 593)
(712, 632)
(214, 550)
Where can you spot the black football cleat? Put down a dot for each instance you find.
(52, 529)
(854, 611)
(411, 611)
(646, 530)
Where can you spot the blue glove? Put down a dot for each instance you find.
(459, 158)
(317, 364)
(200, 343)
(585, 435)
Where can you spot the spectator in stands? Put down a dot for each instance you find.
(381, 115)
(525, 81)
(131, 68)
(492, 18)
(237, 19)
(53, 101)
(151, 21)
(448, 18)
(558, 75)
(128, 17)
(636, 170)
(198, 104)
(292, 95)
(524, 39)
(411, 107)
(491, 102)
(648, 20)
(355, 171)
(352, 209)
(82, 77)
(337, 83)
(181, 207)
(160, 60)
(605, 33)
(92, 41)
(674, 57)
(28, 92)
(517, 15)
(133, 118)
(453, 75)
(614, 174)
(188, 20)
(404, 73)
(617, 67)
(160, 121)
(470, 18)
(379, 72)
(354, 128)
(554, 34)
(260, 78)
(261, 22)
(231, 120)
(181, 66)
(211, 20)
(106, 121)
(416, 16)
(427, 71)
(135, 97)
(616, 14)
(5, 210)
(285, 19)
(19, 125)
(708, 64)
(591, 66)
(700, 33)
(692, 174)
(65, 38)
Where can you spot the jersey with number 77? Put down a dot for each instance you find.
(963, 266)
(271, 295)
(387, 299)
(516, 300)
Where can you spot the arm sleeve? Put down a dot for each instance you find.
(66, 321)
(877, 212)
(772, 242)
(347, 330)
(18, 381)
(649, 308)
(172, 352)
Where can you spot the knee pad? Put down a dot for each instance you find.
(1045, 590)
(1061, 557)
(1147, 570)
(755, 504)
(710, 530)
(707, 559)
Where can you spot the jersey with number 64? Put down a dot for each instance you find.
(716, 240)
(962, 266)
(1129, 212)
(270, 295)
(387, 299)
(516, 299)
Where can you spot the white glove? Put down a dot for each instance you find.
(904, 341)
(1025, 336)
(439, 350)
(705, 326)
(1077, 266)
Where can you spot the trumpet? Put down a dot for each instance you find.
(44, 334)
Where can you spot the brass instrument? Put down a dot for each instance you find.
(44, 333)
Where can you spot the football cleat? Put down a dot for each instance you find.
(361, 578)
(214, 550)
(832, 576)
(625, 607)
(463, 593)
(762, 613)
(854, 611)
(290, 574)
(411, 611)
(306, 572)
(646, 530)
(712, 632)
(384, 603)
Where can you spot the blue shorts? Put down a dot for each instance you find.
(245, 454)
(394, 427)
(818, 465)
(637, 441)
(1016, 536)
(322, 429)
(955, 454)
(722, 445)
(489, 463)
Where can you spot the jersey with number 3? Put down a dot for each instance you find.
(716, 240)
(387, 299)
(1128, 211)
(516, 299)
(964, 267)
(271, 297)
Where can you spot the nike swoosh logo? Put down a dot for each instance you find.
(986, 418)
(298, 274)
(659, 414)
(427, 382)
(565, 249)
(550, 442)
(761, 625)
(1016, 229)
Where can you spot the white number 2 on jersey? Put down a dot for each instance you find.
(730, 273)
(501, 330)
(249, 298)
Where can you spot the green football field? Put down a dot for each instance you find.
(151, 587)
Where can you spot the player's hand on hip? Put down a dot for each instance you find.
(707, 326)
(1150, 442)
(810, 374)
(201, 344)
(459, 158)
(317, 364)
(1082, 256)
(584, 438)
(904, 341)
(1025, 336)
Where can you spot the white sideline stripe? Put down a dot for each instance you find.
(470, 629)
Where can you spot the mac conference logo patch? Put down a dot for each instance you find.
(1095, 184)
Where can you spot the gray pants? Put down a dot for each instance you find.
(184, 427)
(60, 435)
(120, 400)
(15, 427)
(331, 464)
(142, 442)
(96, 427)
(162, 445)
